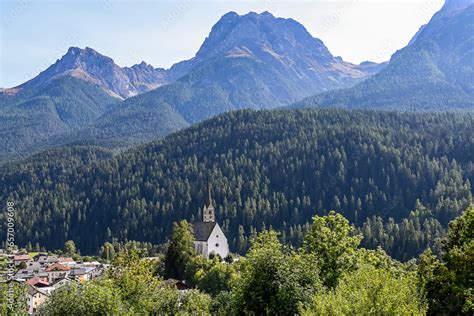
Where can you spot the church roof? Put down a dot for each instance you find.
(203, 230)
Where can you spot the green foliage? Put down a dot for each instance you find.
(128, 288)
(221, 304)
(20, 302)
(134, 279)
(269, 169)
(70, 248)
(34, 117)
(379, 259)
(410, 236)
(107, 251)
(271, 280)
(332, 245)
(194, 302)
(162, 301)
(448, 283)
(180, 250)
(275, 279)
(369, 291)
(90, 298)
(211, 276)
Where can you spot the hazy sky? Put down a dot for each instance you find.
(34, 34)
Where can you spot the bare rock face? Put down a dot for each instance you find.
(90, 66)
(145, 77)
(283, 44)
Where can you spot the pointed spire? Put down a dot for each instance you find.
(208, 212)
(208, 198)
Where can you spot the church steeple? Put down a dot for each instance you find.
(208, 213)
(208, 197)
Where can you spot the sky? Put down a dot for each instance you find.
(35, 33)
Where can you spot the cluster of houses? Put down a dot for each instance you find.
(44, 274)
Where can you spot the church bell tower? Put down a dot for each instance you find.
(208, 213)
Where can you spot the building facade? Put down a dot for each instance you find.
(209, 237)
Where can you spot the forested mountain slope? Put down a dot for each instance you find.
(267, 168)
(33, 116)
(435, 72)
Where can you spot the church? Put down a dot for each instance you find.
(209, 237)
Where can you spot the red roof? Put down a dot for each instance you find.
(21, 257)
(36, 281)
(57, 267)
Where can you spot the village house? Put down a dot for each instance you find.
(20, 258)
(44, 274)
(66, 261)
(36, 297)
(33, 266)
(57, 271)
(209, 237)
(61, 282)
(79, 274)
(38, 282)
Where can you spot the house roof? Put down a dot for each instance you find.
(80, 271)
(37, 256)
(21, 257)
(57, 267)
(61, 280)
(36, 281)
(33, 290)
(23, 273)
(202, 230)
(47, 259)
(33, 265)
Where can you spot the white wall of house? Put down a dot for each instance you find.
(35, 301)
(217, 243)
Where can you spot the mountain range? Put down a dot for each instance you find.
(434, 72)
(255, 61)
(249, 61)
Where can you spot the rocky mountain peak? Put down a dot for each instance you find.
(256, 31)
(89, 65)
(281, 42)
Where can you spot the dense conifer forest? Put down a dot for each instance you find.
(399, 178)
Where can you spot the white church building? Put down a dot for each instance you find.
(209, 237)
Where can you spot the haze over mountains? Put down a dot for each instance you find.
(434, 72)
(252, 61)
